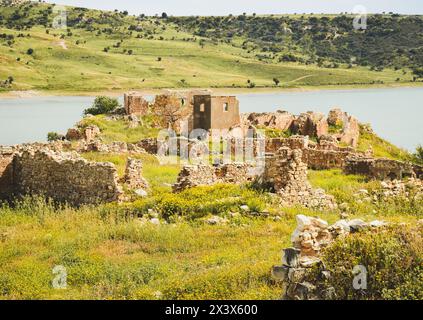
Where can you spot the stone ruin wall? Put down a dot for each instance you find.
(65, 177)
(204, 175)
(133, 175)
(135, 104)
(382, 169)
(318, 156)
(286, 172)
(6, 172)
(43, 169)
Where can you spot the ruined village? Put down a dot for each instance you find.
(316, 141)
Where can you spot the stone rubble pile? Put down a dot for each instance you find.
(311, 236)
(409, 188)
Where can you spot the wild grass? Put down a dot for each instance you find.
(119, 130)
(110, 252)
(381, 148)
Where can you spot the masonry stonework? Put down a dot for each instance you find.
(135, 104)
(287, 173)
(65, 177)
(380, 169)
(204, 175)
(6, 172)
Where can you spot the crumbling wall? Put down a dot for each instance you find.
(287, 174)
(312, 124)
(280, 120)
(133, 175)
(6, 172)
(347, 126)
(135, 104)
(203, 175)
(318, 156)
(65, 177)
(379, 169)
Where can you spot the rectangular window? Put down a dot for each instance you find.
(226, 107)
(202, 107)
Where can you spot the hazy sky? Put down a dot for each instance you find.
(225, 7)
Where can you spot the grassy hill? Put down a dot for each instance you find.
(105, 51)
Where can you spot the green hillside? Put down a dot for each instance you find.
(104, 51)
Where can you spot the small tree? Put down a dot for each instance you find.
(418, 155)
(276, 81)
(54, 136)
(102, 105)
(30, 51)
(168, 110)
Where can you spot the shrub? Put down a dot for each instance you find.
(418, 155)
(30, 51)
(54, 136)
(393, 259)
(102, 105)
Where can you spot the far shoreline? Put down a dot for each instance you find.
(220, 90)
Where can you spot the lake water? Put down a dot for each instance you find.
(395, 114)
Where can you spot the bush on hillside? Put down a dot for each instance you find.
(393, 259)
(418, 155)
(102, 105)
(54, 136)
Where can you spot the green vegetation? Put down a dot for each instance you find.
(111, 51)
(102, 105)
(54, 136)
(393, 260)
(118, 130)
(390, 41)
(346, 187)
(418, 155)
(381, 148)
(110, 253)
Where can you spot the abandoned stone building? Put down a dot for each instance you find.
(203, 110)
(339, 125)
(216, 112)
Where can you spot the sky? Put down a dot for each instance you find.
(225, 7)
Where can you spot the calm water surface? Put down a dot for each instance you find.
(395, 114)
